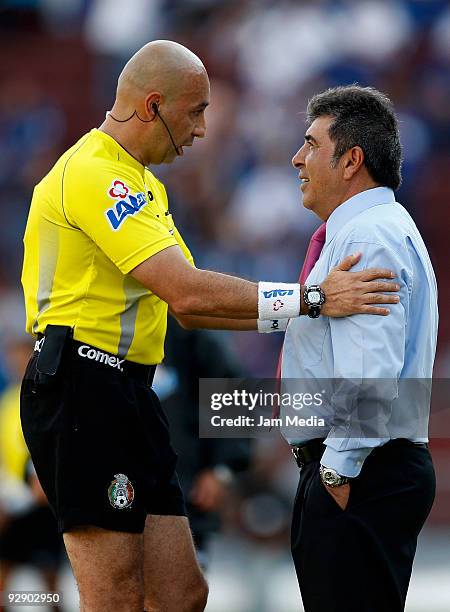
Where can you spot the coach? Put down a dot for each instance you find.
(362, 499)
(103, 262)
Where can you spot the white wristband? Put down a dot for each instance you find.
(275, 325)
(281, 300)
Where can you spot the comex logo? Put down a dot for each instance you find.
(88, 352)
(128, 204)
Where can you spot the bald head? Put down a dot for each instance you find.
(162, 94)
(161, 65)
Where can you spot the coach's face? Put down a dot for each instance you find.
(322, 181)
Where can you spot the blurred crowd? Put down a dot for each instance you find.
(235, 196)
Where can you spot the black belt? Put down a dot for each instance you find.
(310, 451)
(314, 449)
(81, 351)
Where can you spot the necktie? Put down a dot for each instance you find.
(315, 247)
(313, 253)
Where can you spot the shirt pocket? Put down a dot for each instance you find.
(314, 337)
(305, 343)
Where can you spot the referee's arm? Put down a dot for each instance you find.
(191, 292)
(217, 323)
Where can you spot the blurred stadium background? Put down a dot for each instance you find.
(235, 197)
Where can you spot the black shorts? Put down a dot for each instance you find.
(99, 441)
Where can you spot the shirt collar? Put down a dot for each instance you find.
(354, 206)
(117, 150)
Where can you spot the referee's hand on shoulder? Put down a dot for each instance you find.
(362, 292)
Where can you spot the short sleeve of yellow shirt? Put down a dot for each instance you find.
(126, 223)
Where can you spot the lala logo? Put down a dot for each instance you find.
(118, 190)
(128, 204)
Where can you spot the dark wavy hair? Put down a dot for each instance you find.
(366, 118)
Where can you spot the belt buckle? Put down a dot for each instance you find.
(298, 456)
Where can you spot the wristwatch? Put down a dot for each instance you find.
(331, 478)
(314, 297)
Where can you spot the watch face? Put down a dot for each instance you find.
(314, 297)
(329, 476)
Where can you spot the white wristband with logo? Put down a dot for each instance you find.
(275, 325)
(280, 300)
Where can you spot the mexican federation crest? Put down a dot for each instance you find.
(121, 492)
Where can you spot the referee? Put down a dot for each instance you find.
(103, 263)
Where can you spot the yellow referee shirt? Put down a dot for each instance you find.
(97, 215)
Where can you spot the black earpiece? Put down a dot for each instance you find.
(155, 109)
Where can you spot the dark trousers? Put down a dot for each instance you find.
(360, 559)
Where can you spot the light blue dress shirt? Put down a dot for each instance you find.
(399, 346)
